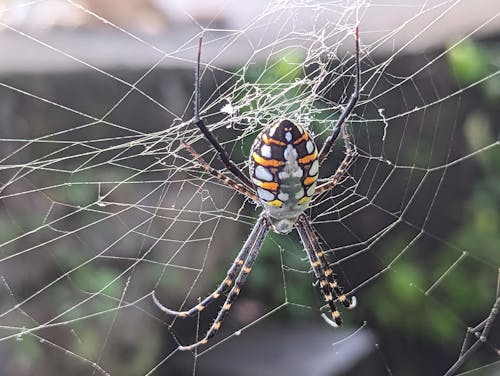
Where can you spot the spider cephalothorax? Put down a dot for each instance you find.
(284, 167)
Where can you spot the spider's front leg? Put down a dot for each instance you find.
(200, 123)
(328, 145)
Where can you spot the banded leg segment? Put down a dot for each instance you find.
(341, 170)
(260, 231)
(319, 272)
(203, 128)
(225, 285)
(339, 293)
(218, 175)
(327, 146)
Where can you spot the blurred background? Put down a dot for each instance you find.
(99, 204)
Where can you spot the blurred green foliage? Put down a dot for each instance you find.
(467, 289)
(471, 62)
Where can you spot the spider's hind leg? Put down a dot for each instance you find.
(226, 284)
(256, 239)
(322, 270)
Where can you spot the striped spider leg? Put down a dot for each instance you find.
(241, 267)
(322, 270)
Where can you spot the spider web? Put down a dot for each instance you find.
(100, 204)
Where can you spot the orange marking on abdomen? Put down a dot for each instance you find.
(269, 185)
(304, 137)
(266, 162)
(310, 179)
(269, 140)
(309, 158)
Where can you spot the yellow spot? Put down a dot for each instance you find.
(329, 297)
(308, 158)
(328, 272)
(310, 179)
(315, 264)
(200, 308)
(275, 203)
(304, 200)
(336, 314)
(342, 298)
(323, 283)
(227, 306)
(320, 254)
(269, 140)
(216, 295)
(229, 281)
(217, 325)
(246, 269)
(266, 162)
(304, 137)
(237, 290)
(204, 341)
(240, 261)
(333, 284)
(182, 314)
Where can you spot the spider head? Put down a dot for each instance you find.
(282, 226)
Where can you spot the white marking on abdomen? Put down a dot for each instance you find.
(265, 150)
(265, 195)
(283, 196)
(309, 146)
(288, 136)
(290, 153)
(263, 173)
(292, 168)
(314, 168)
(299, 194)
(273, 130)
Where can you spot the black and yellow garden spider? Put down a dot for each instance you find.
(284, 167)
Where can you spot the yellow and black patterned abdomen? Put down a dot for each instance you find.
(284, 169)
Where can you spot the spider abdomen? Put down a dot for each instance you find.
(284, 169)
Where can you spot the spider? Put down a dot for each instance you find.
(284, 167)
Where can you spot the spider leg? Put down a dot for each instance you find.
(259, 232)
(250, 244)
(327, 146)
(322, 270)
(217, 174)
(334, 180)
(203, 128)
(319, 273)
(346, 301)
